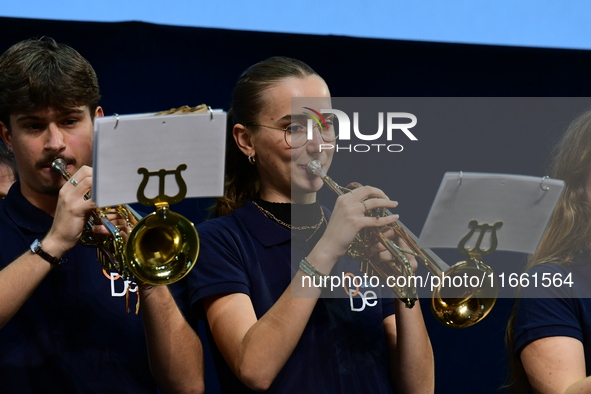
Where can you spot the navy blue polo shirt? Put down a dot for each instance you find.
(557, 310)
(342, 349)
(73, 334)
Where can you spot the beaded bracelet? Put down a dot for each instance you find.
(310, 270)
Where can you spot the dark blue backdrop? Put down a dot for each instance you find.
(145, 68)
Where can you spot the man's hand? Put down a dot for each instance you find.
(71, 214)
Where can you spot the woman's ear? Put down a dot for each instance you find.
(243, 139)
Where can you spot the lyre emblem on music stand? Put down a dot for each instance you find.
(161, 197)
(477, 252)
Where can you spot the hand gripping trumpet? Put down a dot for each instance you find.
(460, 307)
(161, 248)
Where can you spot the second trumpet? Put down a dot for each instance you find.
(457, 308)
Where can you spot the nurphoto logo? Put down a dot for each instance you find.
(394, 126)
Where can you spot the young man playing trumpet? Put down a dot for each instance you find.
(64, 327)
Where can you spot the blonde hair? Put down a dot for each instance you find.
(569, 231)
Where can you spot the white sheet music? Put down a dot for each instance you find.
(123, 144)
(523, 203)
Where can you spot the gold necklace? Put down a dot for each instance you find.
(322, 219)
(289, 226)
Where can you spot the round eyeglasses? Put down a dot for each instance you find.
(296, 133)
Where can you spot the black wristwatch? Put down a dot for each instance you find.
(36, 248)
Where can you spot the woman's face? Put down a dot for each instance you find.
(283, 170)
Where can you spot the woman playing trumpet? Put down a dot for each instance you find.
(270, 332)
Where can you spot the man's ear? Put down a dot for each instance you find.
(243, 138)
(5, 134)
(98, 113)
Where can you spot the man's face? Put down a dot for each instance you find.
(37, 138)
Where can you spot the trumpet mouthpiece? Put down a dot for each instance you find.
(58, 165)
(315, 168)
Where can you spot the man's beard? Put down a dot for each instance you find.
(51, 189)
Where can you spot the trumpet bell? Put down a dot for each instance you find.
(162, 247)
(461, 300)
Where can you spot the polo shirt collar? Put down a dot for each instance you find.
(24, 214)
(267, 234)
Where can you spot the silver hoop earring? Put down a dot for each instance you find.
(252, 159)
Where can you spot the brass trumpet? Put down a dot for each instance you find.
(161, 248)
(453, 307)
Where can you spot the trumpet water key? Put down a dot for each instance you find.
(453, 307)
